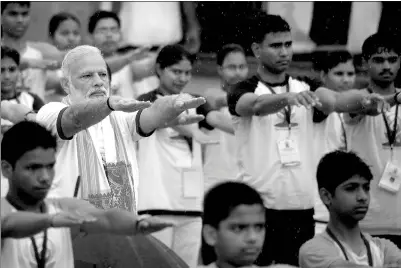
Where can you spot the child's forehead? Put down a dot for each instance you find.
(244, 211)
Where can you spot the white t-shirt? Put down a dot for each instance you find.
(257, 136)
(162, 157)
(151, 23)
(322, 251)
(220, 160)
(328, 137)
(33, 79)
(19, 253)
(121, 83)
(67, 155)
(366, 136)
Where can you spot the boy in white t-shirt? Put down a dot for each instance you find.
(15, 19)
(233, 225)
(37, 231)
(337, 72)
(377, 138)
(346, 193)
(220, 161)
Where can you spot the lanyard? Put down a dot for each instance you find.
(391, 135)
(344, 134)
(365, 241)
(40, 259)
(287, 110)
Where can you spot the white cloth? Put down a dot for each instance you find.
(19, 253)
(151, 23)
(34, 79)
(67, 156)
(161, 160)
(121, 83)
(366, 136)
(184, 238)
(220, 160)
(260, 165)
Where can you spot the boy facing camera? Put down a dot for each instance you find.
(234, 224)
(345, 191)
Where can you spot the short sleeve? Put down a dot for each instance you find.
(38, 103)
(50, 117)
(318, 253)
(392, 254)
(238, 90)
(204, 110)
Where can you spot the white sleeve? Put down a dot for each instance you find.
(48, 116)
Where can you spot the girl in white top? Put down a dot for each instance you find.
(64, 34)
(337, 72)
(170, 165)
(220, 161)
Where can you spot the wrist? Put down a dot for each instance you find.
(51, 220)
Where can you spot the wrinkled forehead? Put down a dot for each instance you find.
(90, 62)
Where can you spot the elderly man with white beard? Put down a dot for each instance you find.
(97, 132)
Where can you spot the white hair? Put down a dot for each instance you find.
(73, 55)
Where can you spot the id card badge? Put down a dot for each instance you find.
(192, 182)
(289, 153)
(391, 178)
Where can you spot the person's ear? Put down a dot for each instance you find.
(210, 235)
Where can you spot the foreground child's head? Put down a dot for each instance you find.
(234, 223)
(344, 185)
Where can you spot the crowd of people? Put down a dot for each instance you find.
(269, 169)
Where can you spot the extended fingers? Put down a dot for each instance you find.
(190, 119)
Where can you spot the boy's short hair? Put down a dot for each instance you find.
(227, 49)
(378, 41)
(8, 52)
(267, 23)
(222, 199)
(24, 137)
(99, 15)
(329, 60)
(4, 4)
(339, 166)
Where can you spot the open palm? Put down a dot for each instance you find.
(127, 105)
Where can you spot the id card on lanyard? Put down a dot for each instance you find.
(287, 148)
(40, 257)
(391, 177)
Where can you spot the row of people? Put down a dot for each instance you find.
(234, 226)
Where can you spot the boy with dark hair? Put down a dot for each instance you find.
(104, 28)
(377, 138)
(273, 118)
(234, 225)
(346, 193)
(10, 71)
(15, 19)
(28, 217)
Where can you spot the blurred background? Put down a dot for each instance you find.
(316, 26)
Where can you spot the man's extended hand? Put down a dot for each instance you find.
(127, 105)
(169, 109)
(149, 224)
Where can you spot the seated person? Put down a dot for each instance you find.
(234, 224)
(345, 192)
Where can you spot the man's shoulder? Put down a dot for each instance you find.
(249, 84)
